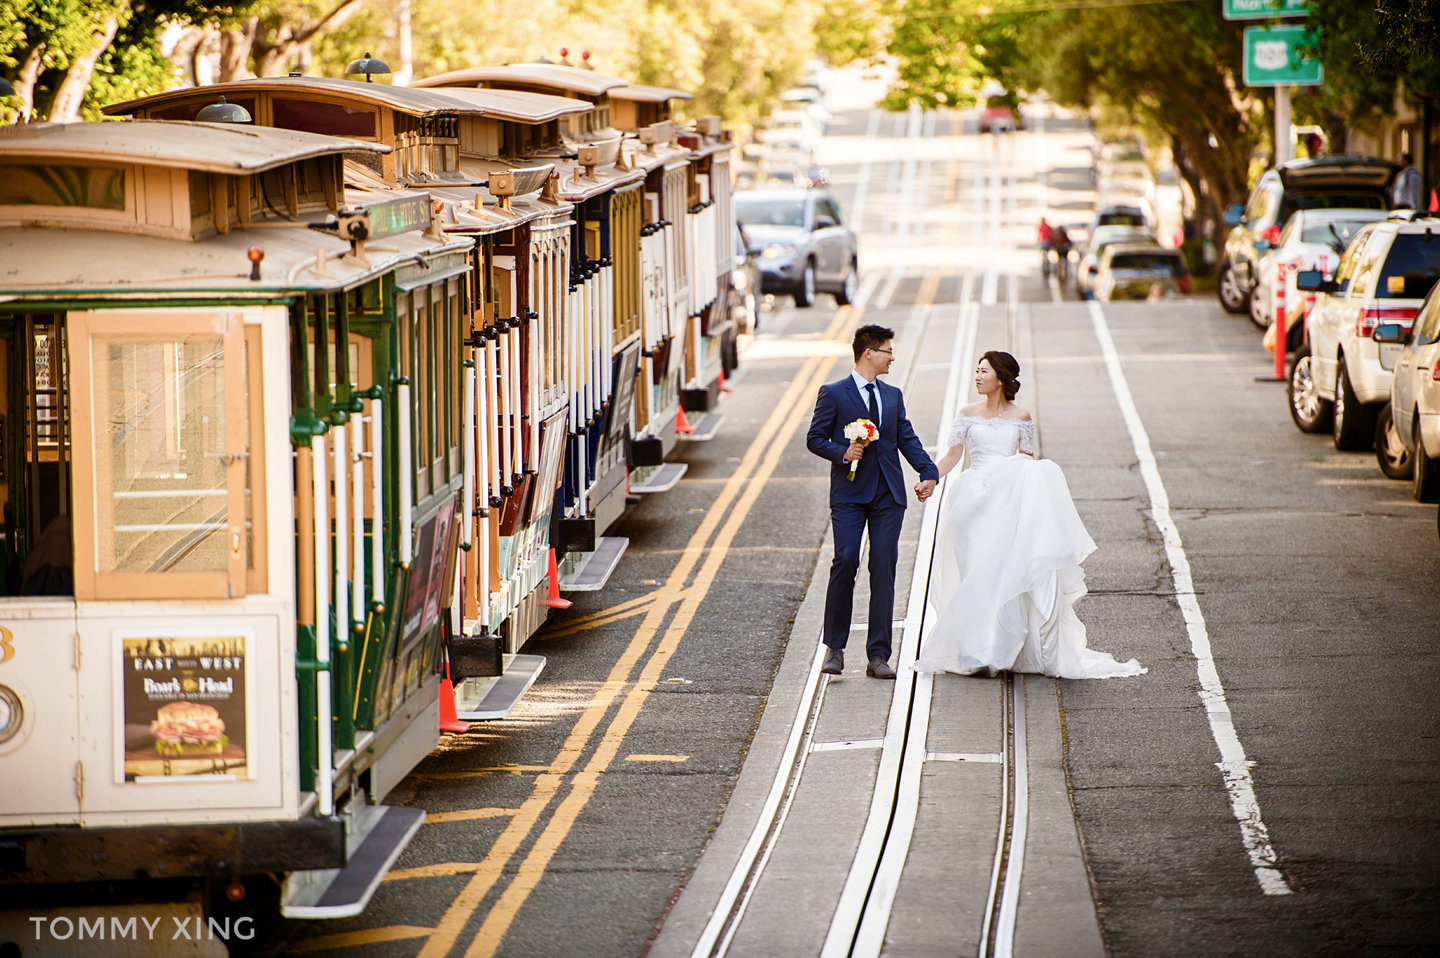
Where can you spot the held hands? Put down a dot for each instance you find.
(924, 489)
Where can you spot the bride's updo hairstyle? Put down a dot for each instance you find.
(1007, 370)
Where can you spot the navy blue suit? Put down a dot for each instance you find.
(875, 497)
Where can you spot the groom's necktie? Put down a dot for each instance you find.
(874, 405)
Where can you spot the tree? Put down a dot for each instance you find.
(60, 53)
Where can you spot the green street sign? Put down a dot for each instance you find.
(1273, 58)
(1261, 9)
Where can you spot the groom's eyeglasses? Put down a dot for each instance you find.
(890, 351)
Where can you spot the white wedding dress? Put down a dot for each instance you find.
(1006, 571)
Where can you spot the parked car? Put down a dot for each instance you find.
(1356, 182)
(803, 244)
(1001, 114)
(809, 99)
(1130, 211)
(1101, 238)
(1311, 239)
(1414, 423)
(1141, 271)
(745, 285)
(1383, 278)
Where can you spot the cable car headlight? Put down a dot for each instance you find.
(12, 714)
(779, 251)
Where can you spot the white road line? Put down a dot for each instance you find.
(1233, 765)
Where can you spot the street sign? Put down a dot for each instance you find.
(1273, 58)
(1263, 9)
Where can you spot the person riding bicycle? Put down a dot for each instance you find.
(1060, 243)
(1043, 235)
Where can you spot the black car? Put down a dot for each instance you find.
(803, 245)
(1354, 181)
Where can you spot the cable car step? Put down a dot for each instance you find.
(594, 568)
(705, 427)
(495, 696)
(661, 478)
(380, 833)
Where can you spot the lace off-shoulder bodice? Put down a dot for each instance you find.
(990, 438)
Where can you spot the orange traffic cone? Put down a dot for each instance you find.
(682, 425)
(724, 388)
(449, 722)
(554, 601)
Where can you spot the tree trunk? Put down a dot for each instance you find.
(25, 80)
(235, 49)
(65, 107)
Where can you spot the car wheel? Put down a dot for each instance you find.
(1257, 309)
(1427, 471)
(1229, 290)
(805, 294)
(1353, 425)
(1395, 460)
(845, 295)
(1310, 412)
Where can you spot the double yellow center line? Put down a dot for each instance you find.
(676, 595)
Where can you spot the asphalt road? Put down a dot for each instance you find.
(570, 828)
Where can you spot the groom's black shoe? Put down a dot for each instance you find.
(879, 669)
(834, 662)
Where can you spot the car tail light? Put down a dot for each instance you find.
(1372, 316)
(1435, 374)
(1184, 284)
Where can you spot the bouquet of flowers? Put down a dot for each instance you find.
(861, 431)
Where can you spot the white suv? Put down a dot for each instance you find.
(1382, 278)
(1415, 394)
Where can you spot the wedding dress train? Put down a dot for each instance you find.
(1006, 571)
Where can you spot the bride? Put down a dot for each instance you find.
(1008, 550)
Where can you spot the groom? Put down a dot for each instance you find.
(875, 495)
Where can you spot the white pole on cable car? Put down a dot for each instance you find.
(467, 494)
(341, 451)
(405, 456)
(377, 501)
(492, 422)
(325, 783)
(482, 581)
(504, 411)
(357, 522)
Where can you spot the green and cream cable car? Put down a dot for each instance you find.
(232, 477)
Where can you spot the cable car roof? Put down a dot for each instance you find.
(572, 79)
(405, 99)
(48, 264)
(518, 105)
(210, 147)
(649, 94)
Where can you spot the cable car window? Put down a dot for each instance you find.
(188, 108)
(161, 450)
(93, 187)
(336, 119)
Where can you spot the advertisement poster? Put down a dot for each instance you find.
(184, 707)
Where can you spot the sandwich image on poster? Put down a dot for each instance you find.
(184, 703)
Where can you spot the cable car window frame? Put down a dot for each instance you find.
(93, 513)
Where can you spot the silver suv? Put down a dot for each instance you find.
(1324, 183)
(1383, 278)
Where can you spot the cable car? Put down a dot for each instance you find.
(232, 480)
